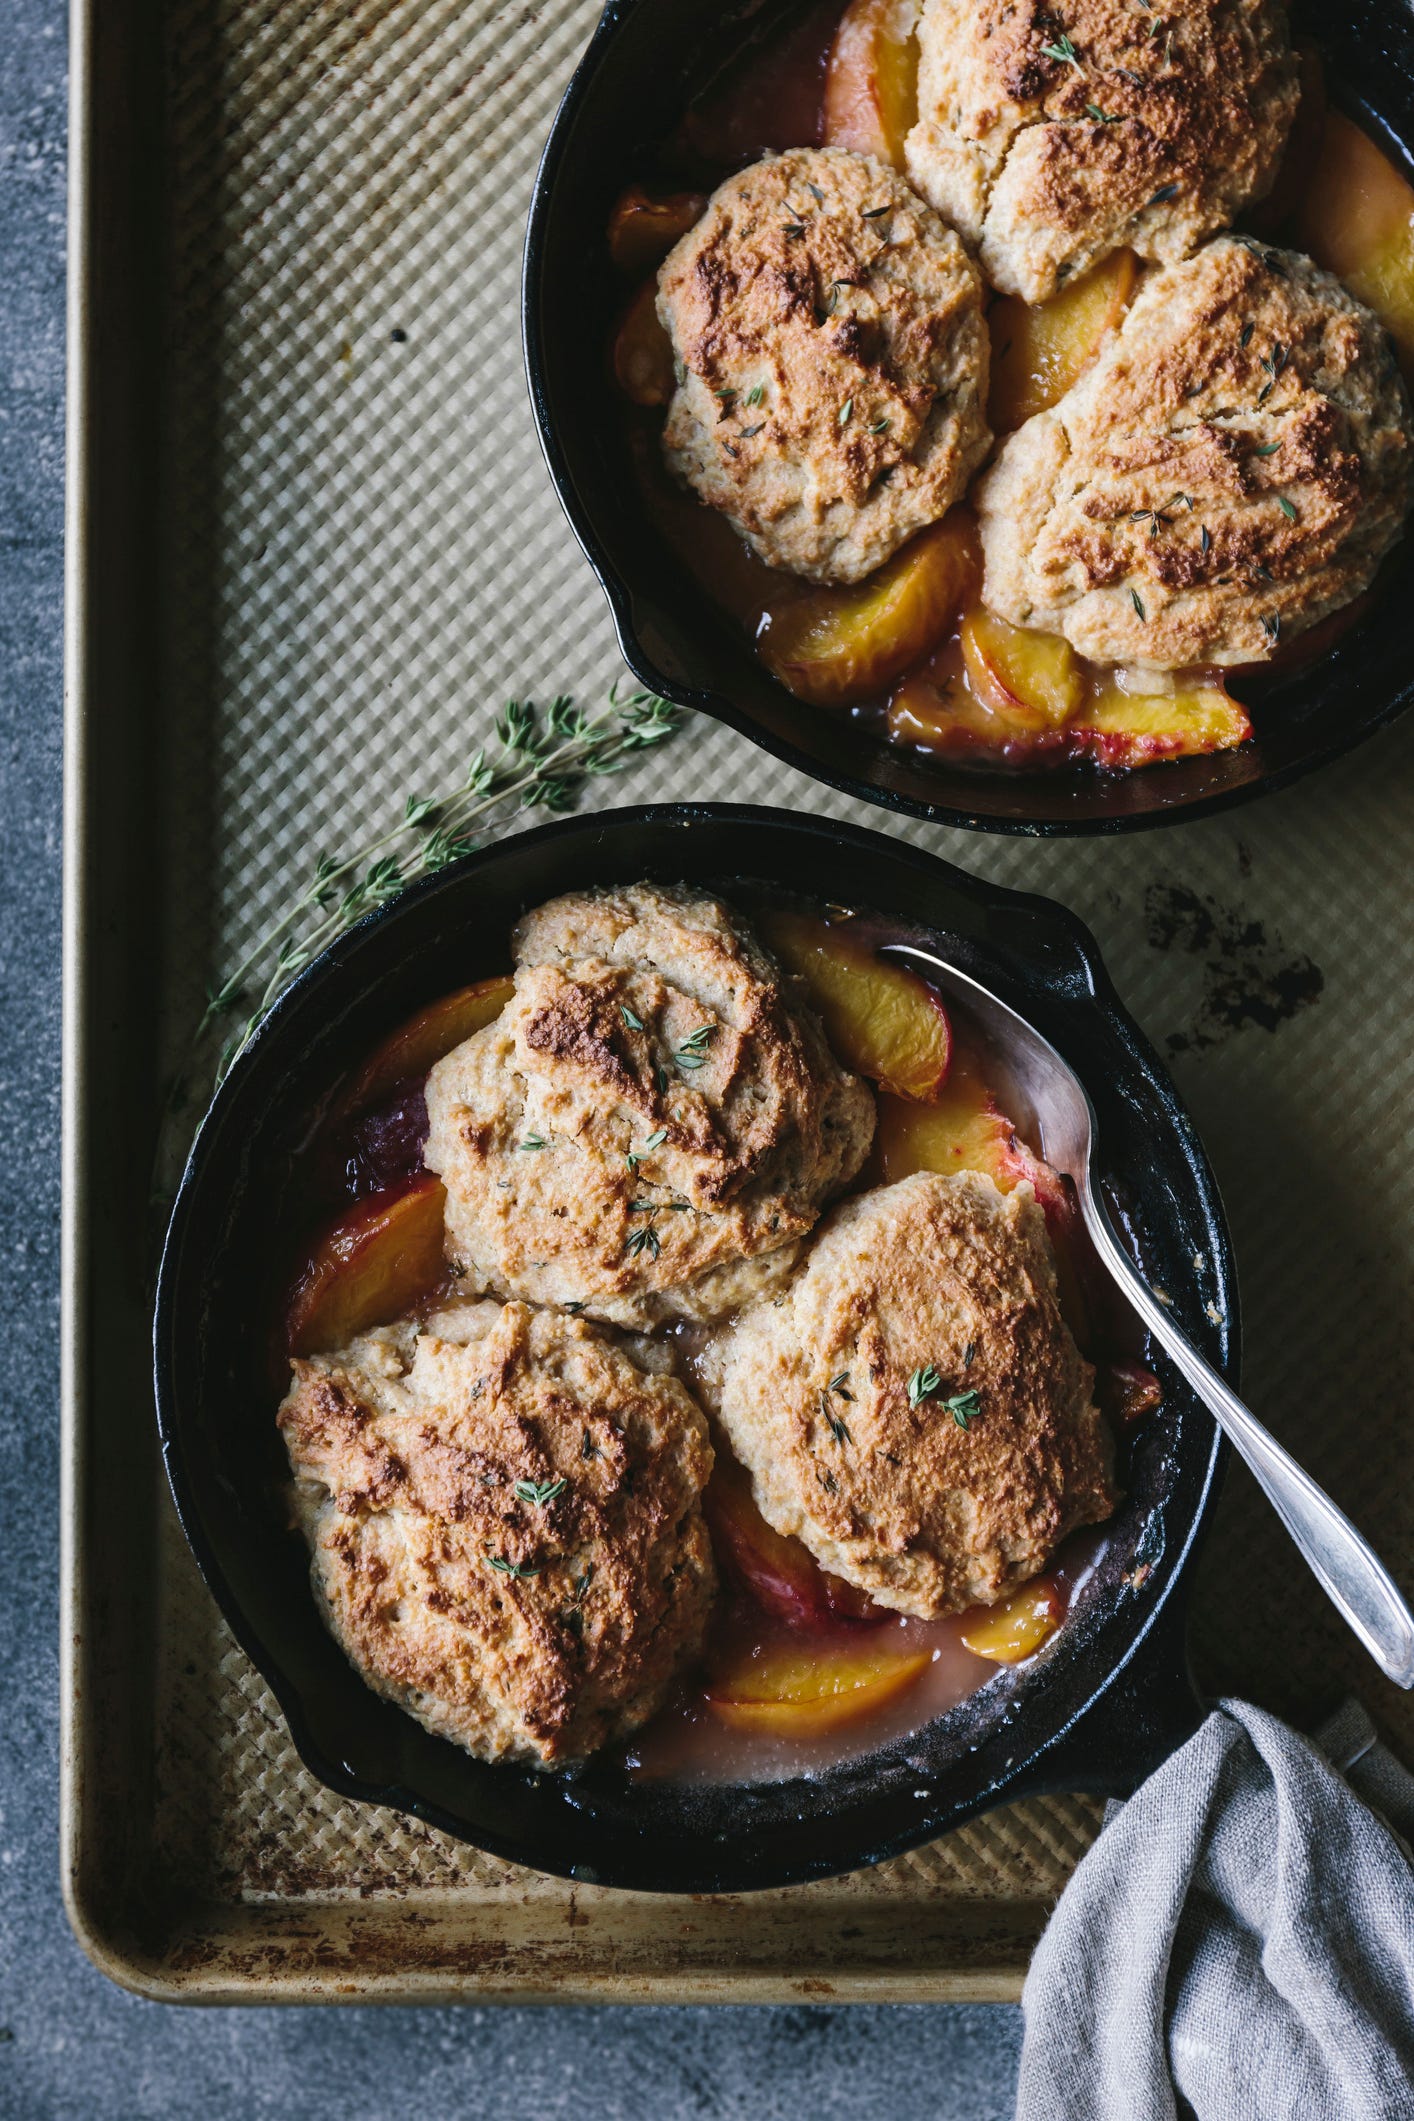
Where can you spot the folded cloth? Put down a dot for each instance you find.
(1241, 1934)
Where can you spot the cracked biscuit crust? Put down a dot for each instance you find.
(1050, 137)
(937, 1281)
(832, 362)
(1231, 470)
(651, 1123)
(504, 1523)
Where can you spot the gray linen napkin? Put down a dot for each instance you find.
(1242, 1933)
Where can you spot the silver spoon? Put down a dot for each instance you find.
(1343, 1563)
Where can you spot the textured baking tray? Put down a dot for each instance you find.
(312, 548)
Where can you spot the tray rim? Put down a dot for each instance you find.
(985, 1940)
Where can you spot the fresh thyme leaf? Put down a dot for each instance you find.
(532, 1141)
(1286, 508)
(1205, 541)
(1103, 117)
(1063, 52)
(748, 432)
(539, 1492)
(838, 1428)
(846, 411)
(795, 228)
(873, 213)
(880, 427)
(1268, 449)
(923, 1384)
(963, 1407)
(1245, 336)
(645, 1240)
(546, 758)
(1164, 193)
(635, 1023)
(511, 1568)
(656, 1139)
(1137, 602)
(756, 393)
(816, 194)
(692, 1052)
(840, 1384)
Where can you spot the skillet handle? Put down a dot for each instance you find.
(1151, 1710)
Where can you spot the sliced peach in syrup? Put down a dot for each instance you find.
(837, 646)
(809, 1692)
(936, 709)
(1357, 219)
(1019, 673)
(883, 1020)
(643, 227)
(376, 1261)
(1124, 729)
(643, 352)
(1040, 349)
(416, 1046)
(1009, 1632)
(871, 80)
(778, 1573)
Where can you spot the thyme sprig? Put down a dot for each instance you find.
(544, 760)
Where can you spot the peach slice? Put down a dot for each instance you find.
(1040, 349)
(1023, 675)
(416, 1046)
(838, 646)
(779, 1574)
(369, 1267)
(1123, 729)
(882, 1020)
(1357, 219)
(809, 1692)
(871, 80)
(1010, 1632)
(643, 352)
(643, 228)
(936, 709)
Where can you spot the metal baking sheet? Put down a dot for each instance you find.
(312, 549)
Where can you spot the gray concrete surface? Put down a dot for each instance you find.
(71, 2045)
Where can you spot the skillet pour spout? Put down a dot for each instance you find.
(1105, 1702)
(646, 63)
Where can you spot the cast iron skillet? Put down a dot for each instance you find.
(645, 62)
(1098, 1712)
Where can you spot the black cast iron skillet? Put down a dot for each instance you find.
(1097, 1712)
(647, 60)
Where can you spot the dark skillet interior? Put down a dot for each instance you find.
(1117, 1663)
(649, 59)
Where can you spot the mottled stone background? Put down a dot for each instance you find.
(70, 2044)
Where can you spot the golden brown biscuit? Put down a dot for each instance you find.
(1050, 137)
(832, 362)
(650, 1124)
(503, 1518)
(913, 1406)
(1232, 468)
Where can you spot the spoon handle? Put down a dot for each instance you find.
(1343, 1562)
